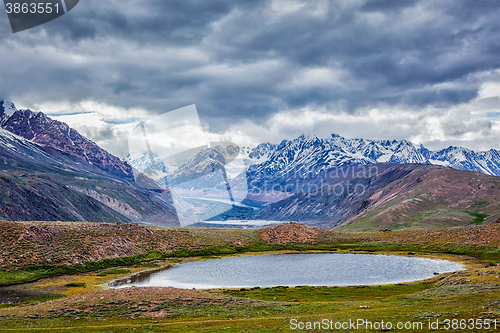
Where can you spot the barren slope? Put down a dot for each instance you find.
(431, 198)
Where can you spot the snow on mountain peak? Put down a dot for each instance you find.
(7, 109)
(318, 154)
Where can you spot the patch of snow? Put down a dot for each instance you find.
(384, 158)
(9, 107)
(437, 162)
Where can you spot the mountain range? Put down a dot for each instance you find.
(38, 128)
(315, 174)
(311, 154)
(308, 156)
(329, 183)
(48, 171)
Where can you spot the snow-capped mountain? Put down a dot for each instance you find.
(38, 128)
(150, 165)
(186, 169)
(310, 155)
(7, 109)
(258, 154)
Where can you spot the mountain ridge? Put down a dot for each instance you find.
(42, 183)
(431, 198)
(310, 154)
(291, 181)
(396, 196)
(39, 128)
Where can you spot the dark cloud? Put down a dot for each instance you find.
(172, 22)
(250, 59)
(386, 5)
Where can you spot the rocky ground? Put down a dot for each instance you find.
(132, 302)
(41, 243)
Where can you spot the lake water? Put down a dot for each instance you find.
(313, 269)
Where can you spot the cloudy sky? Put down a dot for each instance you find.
(426, 71)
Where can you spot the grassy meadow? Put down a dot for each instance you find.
(71, 296)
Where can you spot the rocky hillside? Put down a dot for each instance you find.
(38, 128)
(71, 243)
(431, 198)
(332, 197)
(41, 183)
(26, 243)
(383, 196)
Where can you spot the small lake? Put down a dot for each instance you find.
(313, 269)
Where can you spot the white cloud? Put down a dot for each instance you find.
(279, 8)
(468, 124)
(431, 126)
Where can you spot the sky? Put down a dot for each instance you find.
(426, 71)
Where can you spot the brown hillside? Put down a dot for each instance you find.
(290, 233)
(37, 243)
(72, 242)
(430, 198)
(28, 243)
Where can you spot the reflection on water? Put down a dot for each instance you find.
(137, 278)
(314, 269)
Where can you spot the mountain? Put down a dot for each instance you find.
(48, 171)
(433, 197)
(38, 128)
(330, 182)
(385, 196)
(258, 154)
(201, 162)
(308, 155)
(7, 109)
(331, 197)
(42, 183)
(308, 180)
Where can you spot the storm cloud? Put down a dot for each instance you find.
(250, 64)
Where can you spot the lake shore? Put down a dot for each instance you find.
(84, 308)
(44, 249)
(160, 308)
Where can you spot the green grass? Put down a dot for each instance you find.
(405, 303)
(326, 294)
(114, 271)
(30, 273)
(75, 284)
(34, 272)
(478, 217)
(480, 202)
(34, 300)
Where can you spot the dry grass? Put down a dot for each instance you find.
(41, 243)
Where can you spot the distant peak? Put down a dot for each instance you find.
(7, 108)
(308, 137)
